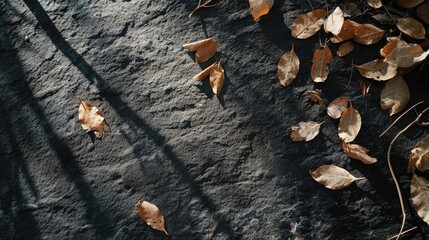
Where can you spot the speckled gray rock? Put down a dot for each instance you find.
(218, 168)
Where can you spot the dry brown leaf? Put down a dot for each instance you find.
(151, 214)
(419, 157)
(420, 196)
(346, 33)
(306, 25)
(392, 43)
(395, 95)
(259, 8)
(315, 97)
(337, 107)
(350, 123)
(345, 49)
(367, 34)
(351, 9)
(217, 78)
(92, 119)
(333, 177)
(205, 49)
(288, 67)
(357, 152)
(377, 70)
(375, 3)
(305, 131)
(364, 89)
(204, 73)
(406, 55)
(334, 21)
(409, 3)
(411, 27)
(319, 68)
(423, 12)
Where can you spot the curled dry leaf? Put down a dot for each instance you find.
(259, 8)
(377, 70)
(409, 3)
(334, 21)
(205, 49)
(319, 68)
(395, 95)
(346, 33)
(419, 157)
(419, 195)
(364, 89)
(358, 152)
(351, 9)
(92, 119)
(315, 97)
(345, 49)
(305, 131)
(406, 55)
(306, 25)
(423, 12)
(288, 67)
(217, 78)
(367, 34)
(333, 177)
(392, 43)
(337, 107)
(350, 123)
(151, 214)
(203, 74)
(411, 27)
(375, 3)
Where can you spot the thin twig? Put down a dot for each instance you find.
(398, 189)
(204, 5)
(310, 5)
(391, 125)
(409, 230)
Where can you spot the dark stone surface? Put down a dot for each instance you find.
(218, 168)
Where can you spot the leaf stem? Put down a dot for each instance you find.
(409, 230)
(391, 125)
(204, 5)
(81, 102)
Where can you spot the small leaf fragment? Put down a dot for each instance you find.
(319, 68)
(333, 177)
(375, 3)
(306, 25)
(151, 214)
(345, 49)
(350, 123)
(409, 3)
(204, 73)
(334, 21)
(423, 12)
(288, 67)
(357, 152)
(395, 95)
(419, 157)
(377, 70)
(259, 8)
(92, 119)
(217, 78)
(367, 34)
(411, 27)
(315, 97)
(305, 131)
(205, 49)
(337, 107)
(364, 89)
(419, 195)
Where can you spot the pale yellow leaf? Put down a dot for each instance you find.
(375, 3)
(395, 95)
(306, 25)
(377, 70)
(409, 3)
(217, 78)
(357, 152)
(333, 177)
(345, 49)
(319, 68)
(305, 131)
(337, 107)
(367, 34)
(151, 214)
(334, 21)
(350, 123)
(259, 8)
(420, 196)
(411, 27)
(288, 67)
(92, 119)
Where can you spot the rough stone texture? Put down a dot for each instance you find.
(218, 168)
